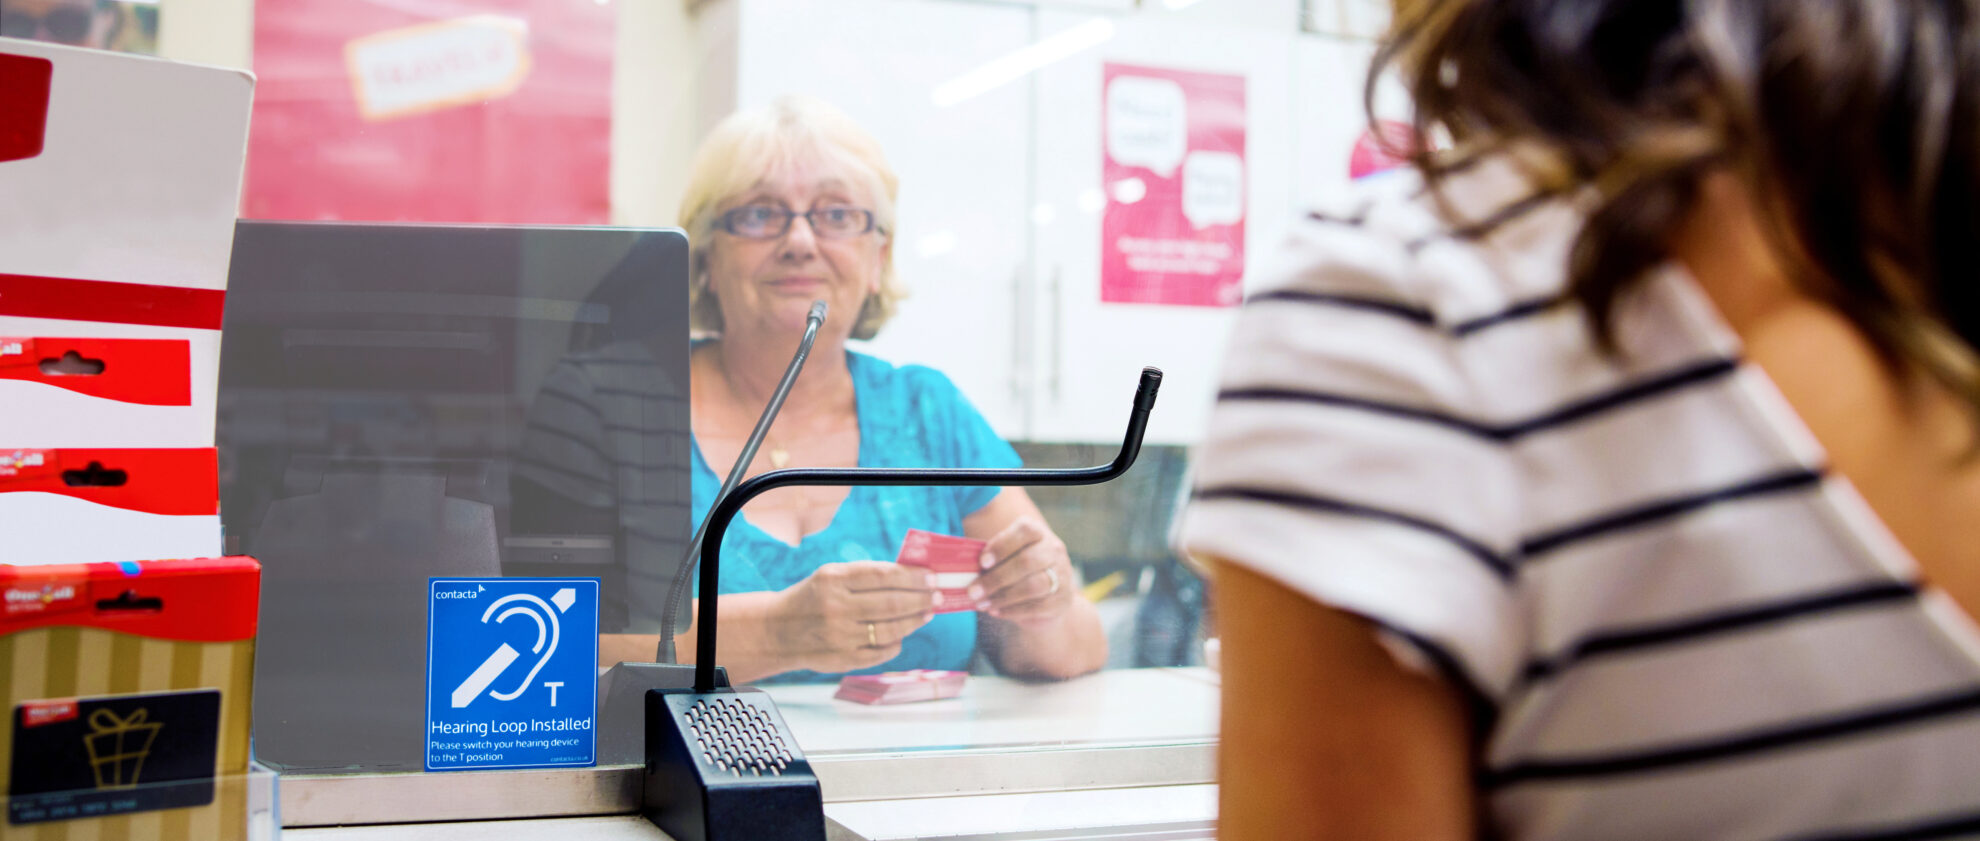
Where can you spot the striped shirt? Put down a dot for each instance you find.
(605, 451)
(1669, 619)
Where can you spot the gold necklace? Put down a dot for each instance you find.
(779, 456)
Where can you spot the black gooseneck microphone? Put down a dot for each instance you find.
(721, 764)
(670, 612)
(726, 508)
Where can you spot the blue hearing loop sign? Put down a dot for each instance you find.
(511, 673)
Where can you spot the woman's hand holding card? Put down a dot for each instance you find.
(1027, 575)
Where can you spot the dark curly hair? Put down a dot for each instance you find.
(1855, 124)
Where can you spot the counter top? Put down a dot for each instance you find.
(1125, 706)
(1006, 756)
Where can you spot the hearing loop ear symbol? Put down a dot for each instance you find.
(551, 632)
(548, 633)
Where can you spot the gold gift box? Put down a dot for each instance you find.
(93, 633)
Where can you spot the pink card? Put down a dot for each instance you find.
(901, 687)
(954, 560)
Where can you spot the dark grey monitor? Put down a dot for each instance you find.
(405, 401)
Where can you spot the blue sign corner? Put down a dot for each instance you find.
(511, 673)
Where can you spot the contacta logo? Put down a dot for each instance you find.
(460, 594)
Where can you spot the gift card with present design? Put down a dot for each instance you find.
(112, 755)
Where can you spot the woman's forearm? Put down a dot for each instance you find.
(746, 649)
(1069, 647)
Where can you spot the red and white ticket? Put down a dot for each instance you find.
(955, 561)
(901, 687)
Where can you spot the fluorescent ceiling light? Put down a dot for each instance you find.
(1180, 4)
(1011, 67)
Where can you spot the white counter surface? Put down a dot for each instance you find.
(866, 800)
(615, 828)
(1137, 706)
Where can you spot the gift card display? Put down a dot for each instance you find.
(172, 482)
(109, 505)
(152, 372)
(955, 561)
(114, 254)
(901, 687)
(96, 757)
(154, 384)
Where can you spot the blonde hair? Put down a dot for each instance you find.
(745, 147)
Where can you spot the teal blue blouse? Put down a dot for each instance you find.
(909, 416)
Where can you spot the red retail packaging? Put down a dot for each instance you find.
(151, 372)
(106, 505)
(120, 180)
(101, 390)
(128, 702)
(129, 686)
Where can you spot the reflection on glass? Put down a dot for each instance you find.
(387, 415)
(600, 481)
(128, 25)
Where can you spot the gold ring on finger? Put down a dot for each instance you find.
(872, 636)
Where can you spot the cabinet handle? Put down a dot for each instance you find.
(1057, 326)
(1020, 357)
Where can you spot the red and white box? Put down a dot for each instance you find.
(81, 506)
(120, 181)
(99, 390)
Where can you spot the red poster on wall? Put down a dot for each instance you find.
(496, 111)
(1175, 182)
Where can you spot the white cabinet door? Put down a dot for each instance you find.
(961, 246)
(1091, 351)
(1328, 83)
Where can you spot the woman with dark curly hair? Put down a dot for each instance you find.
(1614, 476)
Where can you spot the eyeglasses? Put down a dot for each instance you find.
(766, 221)
(67, 24)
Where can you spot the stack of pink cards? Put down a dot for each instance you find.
(955, 561)
(901, 687)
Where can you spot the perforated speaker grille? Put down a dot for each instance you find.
(737, 736)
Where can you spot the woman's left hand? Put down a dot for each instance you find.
(1027, 576)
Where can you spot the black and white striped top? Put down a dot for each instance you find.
(605, 451)
(1672, 622)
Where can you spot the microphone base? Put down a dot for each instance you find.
(622, 705)
(723, 766)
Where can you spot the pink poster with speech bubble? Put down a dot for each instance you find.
(1173, 170)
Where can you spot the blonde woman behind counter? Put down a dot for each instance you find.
(787, 205)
